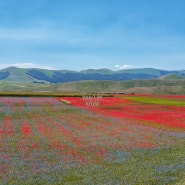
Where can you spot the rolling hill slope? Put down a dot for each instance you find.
(172, 77)
(155, 86)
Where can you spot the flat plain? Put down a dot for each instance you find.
(129, 139)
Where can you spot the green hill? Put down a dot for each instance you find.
(146, 71)
(16, 75)
(172, 77)
(98, 71)
(155, 86)
(43, 76)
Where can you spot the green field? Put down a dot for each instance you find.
(157, 100)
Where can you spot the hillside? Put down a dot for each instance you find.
(43, 76)
(156, 86)
(171, 77)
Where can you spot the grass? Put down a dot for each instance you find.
(156, 100)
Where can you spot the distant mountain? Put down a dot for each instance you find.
(98, 71)
(43, 76)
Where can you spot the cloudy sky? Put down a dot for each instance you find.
(81, 34)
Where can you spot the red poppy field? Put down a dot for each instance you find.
(136, 139)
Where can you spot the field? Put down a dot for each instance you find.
(131, 140)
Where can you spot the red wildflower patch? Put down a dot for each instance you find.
(26, 129)
(2, 132)
(168, 116)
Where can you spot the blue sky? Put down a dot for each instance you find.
(82, 34)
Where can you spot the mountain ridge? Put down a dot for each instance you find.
(46, 76)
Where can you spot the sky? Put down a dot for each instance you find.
(84, 34)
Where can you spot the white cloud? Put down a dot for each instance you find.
(117, 66)
(25, 65)
(123, 66)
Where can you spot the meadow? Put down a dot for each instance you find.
(131, 140)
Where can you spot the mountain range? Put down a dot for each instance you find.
(44, 76)
(145, 80)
